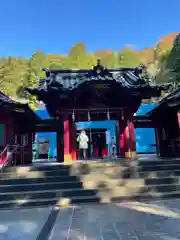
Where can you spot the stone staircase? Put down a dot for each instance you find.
(63, 185)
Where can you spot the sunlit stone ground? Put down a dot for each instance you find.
(22, 224)
(125, 221)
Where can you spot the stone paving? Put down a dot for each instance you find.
(22, 224)
(124, 221)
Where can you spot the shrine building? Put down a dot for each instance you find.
(165, 118)
(92, 95)
(17, 123)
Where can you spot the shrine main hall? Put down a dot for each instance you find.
(96, 94)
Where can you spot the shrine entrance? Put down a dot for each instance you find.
(95, 94)
(94, 135)
(123, 140)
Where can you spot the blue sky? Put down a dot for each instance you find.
(53, 26)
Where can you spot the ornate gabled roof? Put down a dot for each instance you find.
(174, 95)
(71, 79)
(167, 100)
(15, 106)
(69, 87)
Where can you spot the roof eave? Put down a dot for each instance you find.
(56, 70)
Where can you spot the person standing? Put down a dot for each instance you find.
(100, 145)
(83, 140)
(113, 148)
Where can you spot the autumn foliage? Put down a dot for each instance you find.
(162, 62)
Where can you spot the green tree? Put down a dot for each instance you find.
(56, 61)
(12, 74)
(128, 58)
(173, 61)
(110, 60)
(163, 63)
(91, 61)
(35, 64)
(77, 57)
(159, 70)
(161, 50)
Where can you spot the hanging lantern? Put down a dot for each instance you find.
(73, 116)
(122, 115)
(108, 115)
(89, 117)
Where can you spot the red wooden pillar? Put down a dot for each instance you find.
(127, 139)
(69, 140)
(67, 136)
(60, 142)
(73, 140)
(122, 138)
(178, 117)
(132, 139)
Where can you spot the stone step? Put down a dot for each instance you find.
(33, 174)
(97, 182)
(110, 173)
(86, 182)
(79, 169)
(63, 168)
(47, 194)
(161, 167)
(21, 173)
(129, 189)
(118, 169)
(159, 173)
(130, 173)
(147, 197)
(164, 188)
(29, 203)
(103, 191)
(89, 165)
(40, 187)
(132, 193)
(160, 162)
(40, 167)
(115, 197)
(158, 177)
(35, 177)
(162, 180)
(80, 183)
(29, 180)
(83, 200)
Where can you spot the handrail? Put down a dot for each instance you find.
(7, 158)
(3, 161)
(3, 151)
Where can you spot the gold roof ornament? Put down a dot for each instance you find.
(98, 68)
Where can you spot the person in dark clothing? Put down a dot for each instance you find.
(100, 145)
